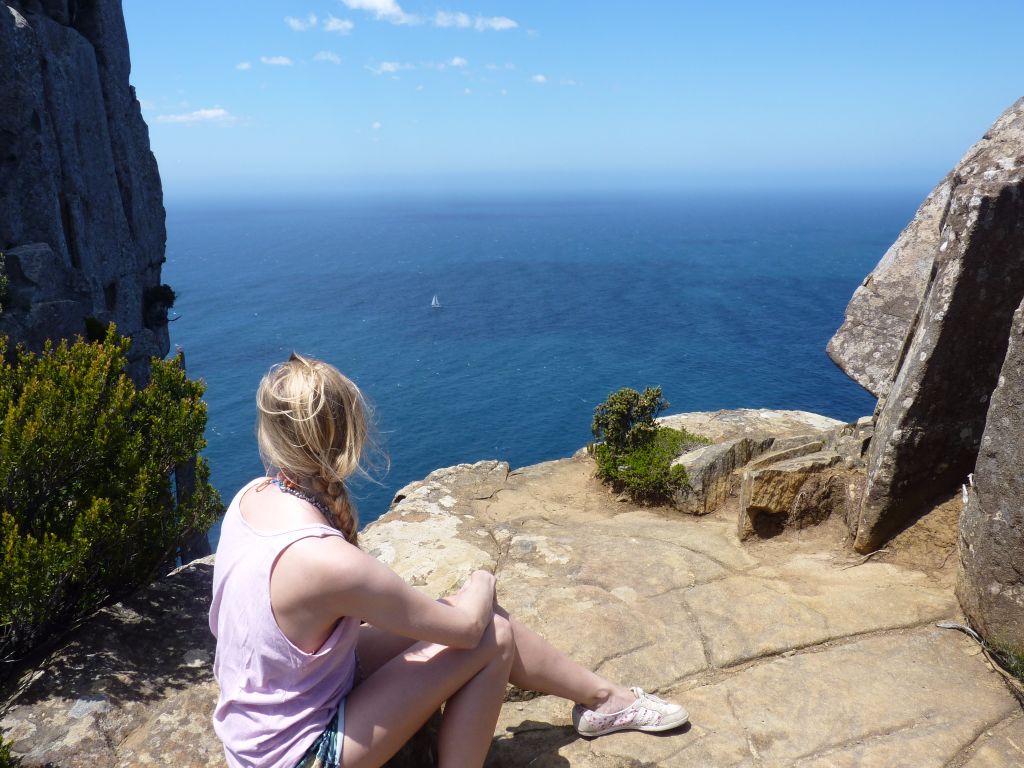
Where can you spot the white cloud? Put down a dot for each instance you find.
(243, 65)
(457, 61)
(459, 20)
(494, 23)
(539, 78)
(212, 115)
(385, 10)
(330, 56)
(277, 61)
(334, 24)
(376, 125)
(388, 67)
(301, 25)
(568, 82)
(446, 19)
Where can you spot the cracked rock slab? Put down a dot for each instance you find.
(808, 601)
(999, 747)
(803, 710)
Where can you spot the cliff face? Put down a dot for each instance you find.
(81, 208)
(949, 415)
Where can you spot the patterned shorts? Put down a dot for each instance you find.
(326, 750)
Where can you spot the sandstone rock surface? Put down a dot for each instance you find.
(929, 424)
(77, 174)
(883, 310)
(783, 654)
(991, 580)
(738, 437)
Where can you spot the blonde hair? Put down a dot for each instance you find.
(313, 427)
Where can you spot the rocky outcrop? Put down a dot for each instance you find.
(806, 484)
(867, 345)
(883, 310)
(766, 646)
(991, 581)
(737, 437)
(77, 177)
(929, 423)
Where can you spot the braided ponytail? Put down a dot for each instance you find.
(313, 427)
(335, 495)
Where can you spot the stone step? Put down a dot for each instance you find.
(795, 492)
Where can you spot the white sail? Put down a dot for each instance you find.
(435, 303)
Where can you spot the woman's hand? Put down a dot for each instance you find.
(475, 598)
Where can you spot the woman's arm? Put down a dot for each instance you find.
(326, 578)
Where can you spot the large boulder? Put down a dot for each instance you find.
(929, 424)
(883, 309)
(991, 578)
(77, 173)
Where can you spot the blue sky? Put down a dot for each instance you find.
(287, 95)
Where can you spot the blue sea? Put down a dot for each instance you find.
(549, 303)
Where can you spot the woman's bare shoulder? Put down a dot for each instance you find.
(265, 508)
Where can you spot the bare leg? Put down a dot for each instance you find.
(537, 666)
(384, 710)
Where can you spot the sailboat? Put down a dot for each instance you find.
(434, 303)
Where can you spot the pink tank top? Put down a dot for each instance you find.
(275, 699)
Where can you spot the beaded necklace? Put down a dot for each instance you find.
(287, 486)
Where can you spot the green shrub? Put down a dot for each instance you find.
(636, 453)
(7, 760)
(626, 419)
(87, 511)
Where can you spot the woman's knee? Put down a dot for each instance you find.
(504, 636)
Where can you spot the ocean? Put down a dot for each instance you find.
(549, 303)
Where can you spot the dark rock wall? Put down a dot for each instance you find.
(991, 579)
(77, 175)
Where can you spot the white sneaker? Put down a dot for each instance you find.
(647, 713)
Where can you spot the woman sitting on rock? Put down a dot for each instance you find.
(325, 657)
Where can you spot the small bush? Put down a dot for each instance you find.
(636, 453)
(7, 760)
(87, 510)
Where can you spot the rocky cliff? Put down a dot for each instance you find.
(956, 377)
(81, 207)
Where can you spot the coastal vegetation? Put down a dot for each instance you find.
(635, 453)
(88, 507)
